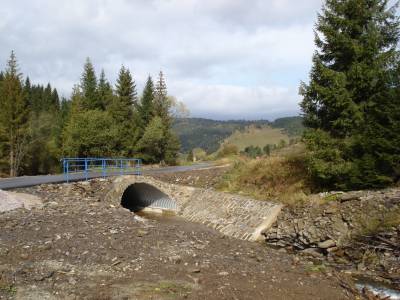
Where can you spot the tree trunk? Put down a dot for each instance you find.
(12, 162)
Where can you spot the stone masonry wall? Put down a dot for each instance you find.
(233, 215)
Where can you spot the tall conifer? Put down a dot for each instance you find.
(161, 102)
(89, 87)
(14, 115)
(104, 91)
(146, 107)
(126, 97)
(349, 93)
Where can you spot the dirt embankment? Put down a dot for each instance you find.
(356, 231)
(203, 178)
(77, 246)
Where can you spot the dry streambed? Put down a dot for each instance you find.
(77, 246)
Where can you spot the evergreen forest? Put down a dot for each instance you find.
(37, 127)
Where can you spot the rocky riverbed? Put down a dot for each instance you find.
(78, 246)
(357, 232)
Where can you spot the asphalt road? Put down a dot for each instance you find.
(25, 181)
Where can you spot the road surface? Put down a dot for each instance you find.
(25, 181)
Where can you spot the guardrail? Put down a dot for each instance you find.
(78, 168)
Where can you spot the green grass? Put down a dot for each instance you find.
(7, 288)
(379, 221)
(319, 268)
(256, 136)
(282, 178)
(167, 289)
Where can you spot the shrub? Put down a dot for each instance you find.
(252, 151)
(228, 150)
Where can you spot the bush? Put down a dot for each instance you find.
(228, 150)
(252, 151)
(197, 154)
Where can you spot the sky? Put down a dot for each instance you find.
(224, 59)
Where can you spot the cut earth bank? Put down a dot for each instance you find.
(355, 232)
(78, 245)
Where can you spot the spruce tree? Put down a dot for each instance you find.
(146, 107)
(126, 97)
(47, 98)
(28, 90)
(14, 116)
(162, 108)
(55, 100)
(346, 104)
(104, 91)
(89, 87)
(161, 101)
(122, 110)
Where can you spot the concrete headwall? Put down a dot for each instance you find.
(233, 215)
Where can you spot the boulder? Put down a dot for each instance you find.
(327, 244)
(11, 200)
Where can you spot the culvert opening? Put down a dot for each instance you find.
(139, 196)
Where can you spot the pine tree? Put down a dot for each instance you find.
(14, 116)
(104, 91)
(349, 92)
(89, 87)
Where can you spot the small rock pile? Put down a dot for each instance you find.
(354, 229)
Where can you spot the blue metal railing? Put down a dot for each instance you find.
(100, 167)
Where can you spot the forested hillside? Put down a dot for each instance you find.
(99, 120)
(293, 126)
(208, 134)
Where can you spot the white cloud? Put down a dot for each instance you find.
(223, 58)
(232, 102)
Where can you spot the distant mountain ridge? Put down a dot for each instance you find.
(208, 134)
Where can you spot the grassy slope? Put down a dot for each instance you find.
(208, 134)
(281, 176)
(257, 137)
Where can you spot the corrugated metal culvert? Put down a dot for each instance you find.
(140, 195)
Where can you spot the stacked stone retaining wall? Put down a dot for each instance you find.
(233, 215)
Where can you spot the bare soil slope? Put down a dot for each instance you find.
(79, 247)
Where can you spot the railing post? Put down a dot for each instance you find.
(137, 166)
(64, 171)
(103, 168)
(86, 169)
(67, 163)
